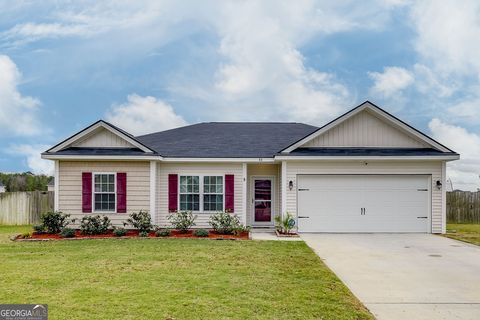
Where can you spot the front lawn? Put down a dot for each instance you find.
(464, 232)
(173, 279)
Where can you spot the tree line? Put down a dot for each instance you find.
(25, 181)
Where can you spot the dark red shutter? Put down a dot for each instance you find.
(229, 192)
(172, 192)
(86, 192)
(121, 192)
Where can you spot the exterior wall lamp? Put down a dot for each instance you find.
(438, 184)
(290, 185)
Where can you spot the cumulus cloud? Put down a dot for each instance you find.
(464, 174)
(141, 115)
(33, 158)
(391, 81)
(18, 113)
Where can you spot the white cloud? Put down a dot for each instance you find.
(448, 34)
(141, 115)
(18, 113)
(33, 158)
(464, 173)
(391, 81)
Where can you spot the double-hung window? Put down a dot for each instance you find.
(189, 193)
(104, 192)
(212, 193)
(201, 193)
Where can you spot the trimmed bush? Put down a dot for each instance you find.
(26, 235)
(54, 222)
(182, 220)
(38, 228)
(119, 232)
(224, 222)
(142, 221)
(143, 234)
(91, 225)
(68, 233)
(201, 233)
(163, 233)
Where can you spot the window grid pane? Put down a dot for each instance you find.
(189, 193)
(104, 190)
(213, 193)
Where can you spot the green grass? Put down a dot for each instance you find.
(173, 279)
(464, 232)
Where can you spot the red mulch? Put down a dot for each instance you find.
(134, 234)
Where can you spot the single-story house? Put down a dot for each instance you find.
(366, 171)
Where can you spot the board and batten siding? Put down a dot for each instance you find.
(70, 186)
(365, 130)
(263, 170)
(201, 169)
(433, 168)
(102, 138)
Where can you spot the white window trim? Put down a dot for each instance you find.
(201, 189)
(114, 192)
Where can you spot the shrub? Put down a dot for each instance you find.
(142, 221)
(38, 228)
(182, 220)
(119, 232)
(224, 222)
(285, 224)
(143, 234)
(163, 232)
(54, 222)
(94, 224)
(26, 235)
(201, 233)
(241, 229)
(67, 233)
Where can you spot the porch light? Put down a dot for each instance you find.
(290, 185)
(439, 184)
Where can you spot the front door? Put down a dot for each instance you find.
(262, 200)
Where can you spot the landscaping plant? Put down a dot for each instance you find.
(54, 222)
(201, 233)
(225, 223)
(163, 232)
(94, 224)
(142, 221)
(143, 234)
(38, 228)
(119, 232)
(182, 220)
(67, 233)
(285, 225)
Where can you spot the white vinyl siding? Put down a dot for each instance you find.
(196, 169)
(102, 138)
(432, 168)
(365, 130)
(70, 186)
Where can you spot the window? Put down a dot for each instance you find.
(104, 192)
(213, 193)
(189, 193)
(199, 193)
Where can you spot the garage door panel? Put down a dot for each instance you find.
(393, 203)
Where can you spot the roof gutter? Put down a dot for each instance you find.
(385, 158)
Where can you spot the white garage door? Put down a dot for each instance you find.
(363, 203)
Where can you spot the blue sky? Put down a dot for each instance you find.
(153, 65)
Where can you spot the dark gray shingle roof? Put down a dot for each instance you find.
(227, 139)
(77, 151)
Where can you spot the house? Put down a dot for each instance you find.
(366, 171)
(51, 184)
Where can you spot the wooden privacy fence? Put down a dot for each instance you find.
(463, 207)
(24, 207)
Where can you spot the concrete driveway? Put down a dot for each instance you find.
(405, 276)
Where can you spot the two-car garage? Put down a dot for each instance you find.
(364, 203)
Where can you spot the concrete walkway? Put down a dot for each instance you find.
(405, 276)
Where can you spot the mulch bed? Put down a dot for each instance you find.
(130, 234)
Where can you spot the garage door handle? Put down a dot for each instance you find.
(422, 217)
(303, 189)
(422, 189)
(303, 217)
